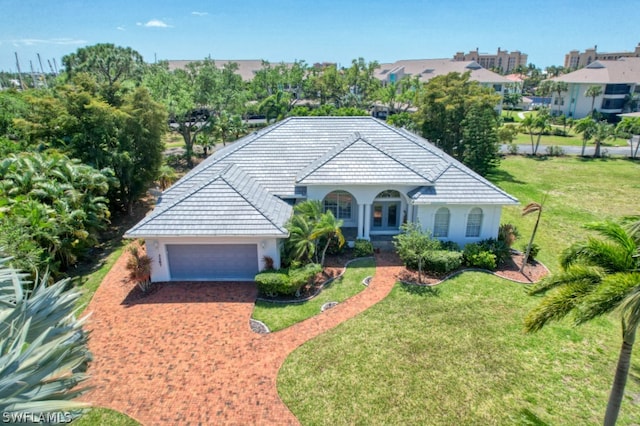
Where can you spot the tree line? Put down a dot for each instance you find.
(90, 143)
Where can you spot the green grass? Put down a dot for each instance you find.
(90, 282)
(571, 140)
(278, 316)
(105, 416)
(459, 355)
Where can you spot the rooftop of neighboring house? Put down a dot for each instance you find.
(429, 68)
(624, 70)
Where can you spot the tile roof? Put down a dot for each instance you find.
(230, 204)
(243, 184)
(624, 70)
(429, 68)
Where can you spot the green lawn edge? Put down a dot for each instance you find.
(277, 316)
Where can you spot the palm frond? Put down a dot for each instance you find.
(557, 304)
(575, 273)
(611, 293)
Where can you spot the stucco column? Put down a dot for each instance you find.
(360, 221)
(409, 212)
(367, 221)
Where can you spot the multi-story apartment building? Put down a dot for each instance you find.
(576, 59)
(619, 83)
(502, 60)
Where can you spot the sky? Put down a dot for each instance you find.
(315, 31)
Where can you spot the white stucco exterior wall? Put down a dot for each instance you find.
(157, 250)
(425, 214)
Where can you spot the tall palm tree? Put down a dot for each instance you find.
(300, 245)
(531, 208)
(598, 276)
(586, 126)
(593, 92)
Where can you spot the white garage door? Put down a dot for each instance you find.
(213, 261)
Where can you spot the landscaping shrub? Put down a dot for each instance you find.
(559, 132)
(413, 241)
(273, 283)
(301, 276)
(476, 256)
(362, 248)
(533, 253)
(508, 234)
(449, 245)
(286, 282)
(498, 248)
(442, 261)
(555, 151)
(334, 245)
(513, 149)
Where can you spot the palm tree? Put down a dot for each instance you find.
(528, 124)
(560, 87)
(139, 267)
(602, 132)
(167, 175)
(328, 227)
(598, 276)
(531, 208)
(542, 124)
(300, 245)
(586, 126)
(593, 92)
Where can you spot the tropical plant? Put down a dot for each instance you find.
(166, 176)
(327, 228)
(593, 92)
(528, 209)
(43, 348)
(598, 276)
(630, 126)
(602, 132)
(587, 127)
(139, 267)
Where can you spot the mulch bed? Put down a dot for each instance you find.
(533, 272)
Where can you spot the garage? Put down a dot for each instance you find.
(212, 262)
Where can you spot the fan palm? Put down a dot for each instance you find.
(598, 276)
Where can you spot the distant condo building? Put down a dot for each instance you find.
(575, 59)
(503, 60)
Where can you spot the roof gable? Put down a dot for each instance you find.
(359, 160)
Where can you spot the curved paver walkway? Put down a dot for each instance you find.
(185, 354)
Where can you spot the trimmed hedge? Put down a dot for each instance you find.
(442, 261)
(476, 256)
(362, 248)
(286, 282)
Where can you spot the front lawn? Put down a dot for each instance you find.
(281, 315)
(455, 357)
(459, 355)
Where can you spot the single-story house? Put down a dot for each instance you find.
(221, 219)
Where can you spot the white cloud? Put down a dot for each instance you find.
(37, 41)
(154, 23)
(120, 28)
(200, 13)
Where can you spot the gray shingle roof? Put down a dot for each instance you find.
(238, 189)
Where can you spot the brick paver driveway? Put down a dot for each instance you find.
(186, 353)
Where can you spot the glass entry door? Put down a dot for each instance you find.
(385, 215)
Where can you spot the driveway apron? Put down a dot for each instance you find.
(186, 354)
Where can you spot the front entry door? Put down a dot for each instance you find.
(386, 215)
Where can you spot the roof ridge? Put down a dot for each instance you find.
(332, 153)
(245, 196)
(192, 190)
(227, 151)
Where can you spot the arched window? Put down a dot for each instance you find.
(340, 203)
(441, 223)
(474, 222)
(389, 193)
